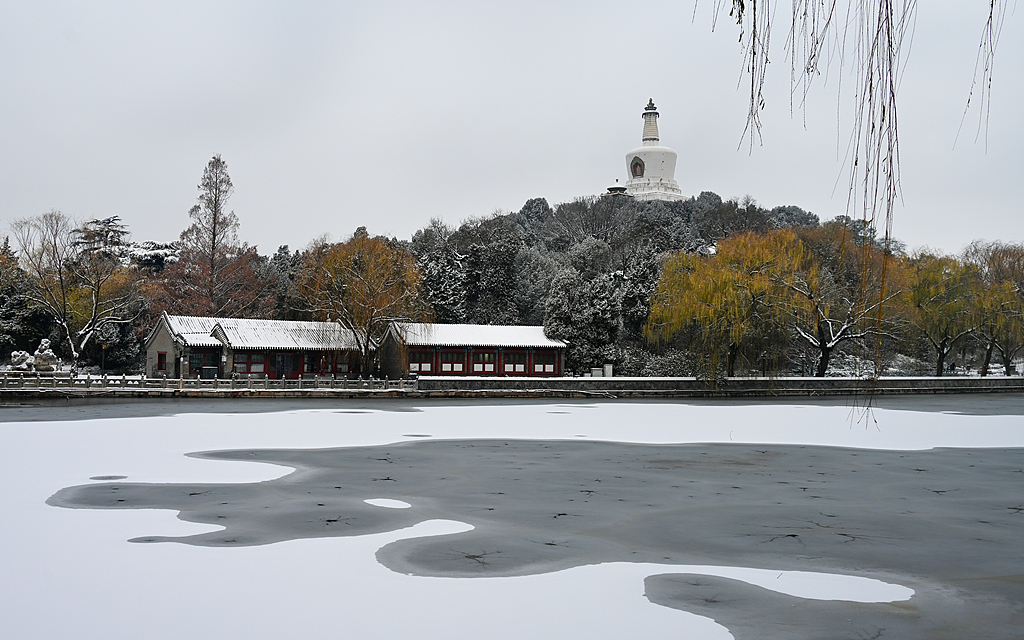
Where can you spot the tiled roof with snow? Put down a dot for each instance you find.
(242, 333)
(285, 334)
(421, 334)
(193, 330)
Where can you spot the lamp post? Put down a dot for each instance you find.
(103, 358)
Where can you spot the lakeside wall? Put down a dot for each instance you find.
(739, 387)
(506, 387)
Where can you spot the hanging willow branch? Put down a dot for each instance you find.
(873, 38)
(983, 67)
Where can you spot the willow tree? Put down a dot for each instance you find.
(364, 284)
(728, 298)
(841, 288)
(871, 40)
(999, 309)
(998, 317)
(944, 295)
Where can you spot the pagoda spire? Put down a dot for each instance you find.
(650, 124)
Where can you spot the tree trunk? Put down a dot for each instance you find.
(365, 362)
(988, 359)
(823, 358)
(940, 361)
(71, 346)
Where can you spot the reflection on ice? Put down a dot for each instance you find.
(805, 584)
(387, 503)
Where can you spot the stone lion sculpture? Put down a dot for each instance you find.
(45, 358)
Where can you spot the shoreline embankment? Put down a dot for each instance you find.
(33, 390)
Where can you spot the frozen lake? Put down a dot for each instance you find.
(72, 572)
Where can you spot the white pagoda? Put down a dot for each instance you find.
(652, 167)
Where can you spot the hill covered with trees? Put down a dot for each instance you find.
(702, 286)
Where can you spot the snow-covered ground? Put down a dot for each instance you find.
(70, 573)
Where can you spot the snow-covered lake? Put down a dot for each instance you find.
(70, 573)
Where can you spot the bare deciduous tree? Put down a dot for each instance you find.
(76, 275)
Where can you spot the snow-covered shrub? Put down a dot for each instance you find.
(673, 362)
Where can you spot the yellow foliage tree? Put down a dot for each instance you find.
(999, 309)
(997, 317)
(364, 284)
(841, 287)
(944, 296)
(728, 297)
(759, 290)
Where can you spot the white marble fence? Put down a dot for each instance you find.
(37, 381)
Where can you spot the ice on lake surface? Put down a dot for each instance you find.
(388, 503)
(79, 560)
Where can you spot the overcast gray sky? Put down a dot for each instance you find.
(333, 115)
